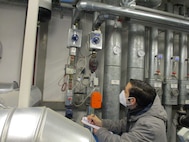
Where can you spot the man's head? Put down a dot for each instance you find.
(139, 93)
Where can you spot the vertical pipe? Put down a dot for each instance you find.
(168, 53)
(28, 53)
(187, 71)
(153, 51)
(154, 62)
(167, 71)
(112, 70)
(182, 68)
(136, 52)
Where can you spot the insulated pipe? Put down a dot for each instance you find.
(182, 69)
(168, 53)
(183, 39)
(136, 52)
(112, 70)
(153, 51)
(154, 62)
(167, 73)
(146, 14)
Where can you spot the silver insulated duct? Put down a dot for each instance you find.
(40, 124)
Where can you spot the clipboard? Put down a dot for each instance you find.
(84, 120)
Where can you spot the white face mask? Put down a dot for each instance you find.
(124, 101)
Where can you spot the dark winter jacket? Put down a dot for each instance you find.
(148, 126)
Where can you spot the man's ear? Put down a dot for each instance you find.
(133, 101)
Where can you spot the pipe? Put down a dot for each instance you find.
(1, 50)
(183, 39)
(154, 74)
(101, 18)
(40, 124)
(144, 14)
(168, 99)
(136, 52)
(112, 70)
(182, 69)
(153, 51)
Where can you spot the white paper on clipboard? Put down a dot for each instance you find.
(84, 120)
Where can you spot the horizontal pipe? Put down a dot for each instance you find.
(140, 13)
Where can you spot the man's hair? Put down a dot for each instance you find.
(142, 91)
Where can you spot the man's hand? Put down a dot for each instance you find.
(93, 119)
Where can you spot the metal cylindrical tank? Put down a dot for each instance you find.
(40, 124)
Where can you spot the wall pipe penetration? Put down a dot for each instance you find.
(136, 12)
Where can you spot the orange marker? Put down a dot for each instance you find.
(96, 100)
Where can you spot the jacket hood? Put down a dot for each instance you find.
(155, 110)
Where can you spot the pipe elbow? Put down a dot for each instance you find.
(83, 5)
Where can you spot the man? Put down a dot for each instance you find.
(145, 121)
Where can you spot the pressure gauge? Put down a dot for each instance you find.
(75, 37)
(116, 50)
(141, 53)
(95, 40)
